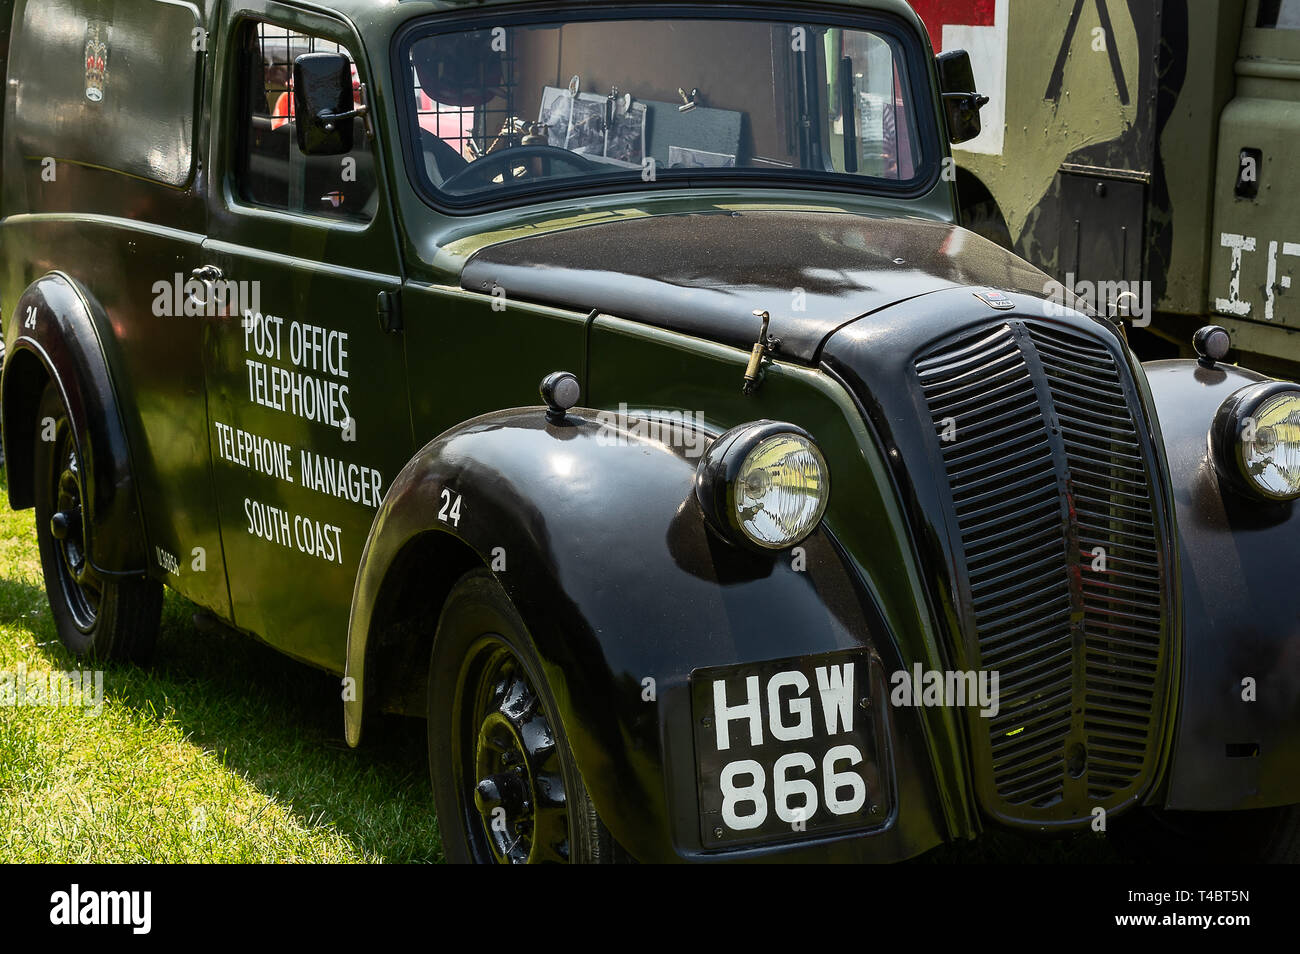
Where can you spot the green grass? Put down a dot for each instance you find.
(225, 751)
(221, 751)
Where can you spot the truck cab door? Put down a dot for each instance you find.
(307, 393)
(1255, 242)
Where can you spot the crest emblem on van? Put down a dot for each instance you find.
(96, 61)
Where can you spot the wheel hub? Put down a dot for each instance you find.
(518, 788)
(67, 526)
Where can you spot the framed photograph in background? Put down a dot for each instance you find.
(556, 113)
(625, 138)
(587, 126)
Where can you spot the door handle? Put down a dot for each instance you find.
(206, 274)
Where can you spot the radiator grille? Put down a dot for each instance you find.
(1063, 590)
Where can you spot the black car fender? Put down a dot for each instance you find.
(54, 335)
(599, 541)
(1236, 740)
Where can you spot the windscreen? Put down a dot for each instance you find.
(580, 103)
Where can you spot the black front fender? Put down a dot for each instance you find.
(625, 592)
(1241, 613)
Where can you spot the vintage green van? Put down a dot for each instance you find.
(833, 535)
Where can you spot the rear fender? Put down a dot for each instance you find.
(54, 335)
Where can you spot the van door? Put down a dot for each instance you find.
(307, 394)
(1255, 243)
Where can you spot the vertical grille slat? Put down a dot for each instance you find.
(1047, 464)
(1117, 624)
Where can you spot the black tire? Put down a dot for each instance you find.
(2, 368)
(490, 708)
(96, 618)
(1269, 836)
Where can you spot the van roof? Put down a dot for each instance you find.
(385, 15)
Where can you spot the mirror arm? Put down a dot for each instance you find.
(970, 100)
(328, 119)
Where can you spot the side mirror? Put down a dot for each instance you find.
(961, 103)
(322, 103)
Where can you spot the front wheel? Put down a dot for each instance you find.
(505, 785)
(96, 617)
(1268, 835)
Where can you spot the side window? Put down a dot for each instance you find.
(270, 170)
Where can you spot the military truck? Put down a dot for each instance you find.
(612, 386)
(1141, 153)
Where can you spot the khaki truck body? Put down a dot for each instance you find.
(1146, 147)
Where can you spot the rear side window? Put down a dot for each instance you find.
(270, 170)
(112, 86)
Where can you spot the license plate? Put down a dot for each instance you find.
(787, 748)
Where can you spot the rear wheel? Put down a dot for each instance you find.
(96, 618)
(505, 785)
(1269, 835)
(2, 367)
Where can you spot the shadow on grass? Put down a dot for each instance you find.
(23, 607)
(277, 723)
(280, 724)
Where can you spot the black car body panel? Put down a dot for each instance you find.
(1241, 657)
(705, 273)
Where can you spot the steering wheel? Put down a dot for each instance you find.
(481, 172)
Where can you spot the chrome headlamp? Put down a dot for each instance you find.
(1255, 440)
(763, 485)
